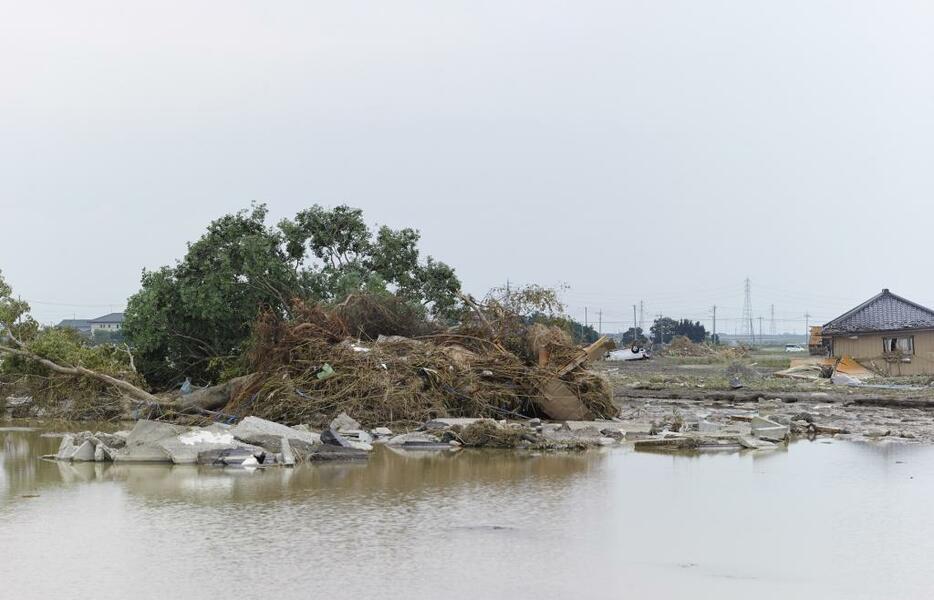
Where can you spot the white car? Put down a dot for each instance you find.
(793, 348)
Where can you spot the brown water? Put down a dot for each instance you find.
(835, 520)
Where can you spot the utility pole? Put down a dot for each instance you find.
(635, 324)
(747, 312)
(641, 315)
(600, 321)
(585, 317)
(714, 337)
(807, 330)
(772, 321)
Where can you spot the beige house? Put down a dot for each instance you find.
(887, 333)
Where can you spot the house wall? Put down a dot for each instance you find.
(867, 349)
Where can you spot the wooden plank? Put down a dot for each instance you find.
(588, 354)
(559, 402)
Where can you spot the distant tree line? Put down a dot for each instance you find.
(664, 329)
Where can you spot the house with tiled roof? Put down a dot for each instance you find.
(111, 323)
(887, 333)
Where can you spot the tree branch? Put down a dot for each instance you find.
(121, 385)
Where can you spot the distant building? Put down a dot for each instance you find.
(112, 322)
(886, 332)
(82, 326)
(109, 323)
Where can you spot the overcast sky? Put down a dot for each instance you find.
(654, 150)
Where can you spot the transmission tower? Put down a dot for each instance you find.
(748, 329)
(772, 321)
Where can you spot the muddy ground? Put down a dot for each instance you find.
(664, 393)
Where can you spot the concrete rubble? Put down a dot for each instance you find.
(252, 442)
(653, 424)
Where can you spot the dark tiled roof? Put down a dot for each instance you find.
(111, 318)
(883, 312)
(79, 324)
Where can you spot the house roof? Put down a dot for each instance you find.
(79, 324)
(883, 312)
(116, 317)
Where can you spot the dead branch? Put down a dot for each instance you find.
(126, 387)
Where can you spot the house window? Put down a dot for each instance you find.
(903, 345)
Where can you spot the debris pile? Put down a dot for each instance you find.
(308, 369)
(681, 346)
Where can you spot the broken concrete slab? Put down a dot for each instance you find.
(287, 456)
(111, 440)
(343, 422)
(142, 443)
(228, 457)
(185, 448)
(103, 453)
(84, 452)
(66, 448)
(332, 437)
(754, 444)
(767, 429)
(414, 436)
(268, 434)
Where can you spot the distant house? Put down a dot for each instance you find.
(886, 332)
(112, 322)
(82, 326)
(109, 323)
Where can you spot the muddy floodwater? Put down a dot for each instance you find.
(828, 519)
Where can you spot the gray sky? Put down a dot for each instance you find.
(654, 149)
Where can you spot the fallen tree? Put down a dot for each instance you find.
(52, 358)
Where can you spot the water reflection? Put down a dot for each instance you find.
(388, 472)
(834, 520)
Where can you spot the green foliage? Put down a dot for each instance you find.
(14, 314)
(195, 318)
(103, 336)
(634, 334)
(664, 329)
(63, 346)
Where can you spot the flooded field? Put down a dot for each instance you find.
(833, 519)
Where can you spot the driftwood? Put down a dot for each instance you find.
(211, 398)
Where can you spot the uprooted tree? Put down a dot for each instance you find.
(194, 319)
(76, 377)
(47, 355)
